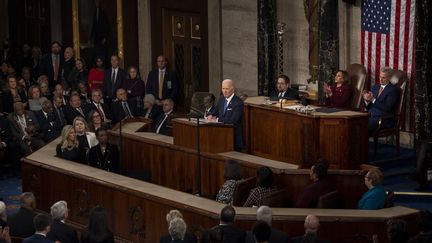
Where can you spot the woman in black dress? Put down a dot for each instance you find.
(97, 230)
(68, 148)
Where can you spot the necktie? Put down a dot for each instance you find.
(280, 94)
(56, 67)
(61, 117)
(380, 90)
(113, 78)
(126, 109)
(80, 111)
(161, 80)
(225, 105)
(101, 112)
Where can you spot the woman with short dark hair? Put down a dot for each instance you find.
(232, 174)
(264, 186)
(97, 230)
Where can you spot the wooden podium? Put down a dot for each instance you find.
(214, 137)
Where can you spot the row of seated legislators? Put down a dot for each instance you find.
(42, 228)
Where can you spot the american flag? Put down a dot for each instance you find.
(387, 40)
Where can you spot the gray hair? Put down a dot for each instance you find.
(177, 229)
(172, 215)
(59, 210)
(311, 224)
(2, 210)
(150, 98)
(264, 213)
(387, 70)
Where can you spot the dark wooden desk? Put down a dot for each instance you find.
(214, 137)
(136, 209)
(286, 135)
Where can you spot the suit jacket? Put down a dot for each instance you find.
(232, 115)
(341, 97)
(165, 130)
(71, 113)
(62, 232)
(108, 89)
(291, 94)
(188, 238)
(155, 112)
(118, 112)
(37, 238)
(21, 223)
(46, 68)
(50, 127)
(5, 132)
(230, 234)
(170, 84)
(276, 236)
(105, 108)
(16, 130)
(212, 111)
(385, 105)
(110, 160)
(299, 239)
(60, 116)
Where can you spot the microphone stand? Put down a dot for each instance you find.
(198, 153)
(122, 170)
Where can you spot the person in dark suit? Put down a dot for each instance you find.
(42, 225)
(102, 108)
(264, 214)
(261, 232)
(381, 101)
(13, 93)
(113, 80)
(122, 108)
(229, 233)
(58, 110)
(209, 105)
(69, 62)
(7, 53)
(283, 91)
(105, 155)
(75, 109)
(161, 123)
(51, 64)
(150, 109)
(162, 83)
(230, 111)
(7, 146)
(50, 126)
(21, 223)
(320, 186)
(59, 230)
(311, 226)
(25, 129)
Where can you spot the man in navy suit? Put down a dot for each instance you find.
(230, 111)
(113, 80)
(42, 225)
(162, 82)
(50, 126)
(283, 90)
(381, 101)
(209, 105)
(102, 108)
(51, 64)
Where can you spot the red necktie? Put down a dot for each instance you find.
(380, 90)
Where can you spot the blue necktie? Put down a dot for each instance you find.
(225, 105)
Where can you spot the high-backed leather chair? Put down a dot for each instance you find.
(402, 81)
(357, 77)
(332, 199)
(277, 199)
(242, 190)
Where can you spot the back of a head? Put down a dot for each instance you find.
(265, 177)
(264, 213)
(177, 229)
(41, 222)
(28, 200)
(59, 210)
(311, 224)
(2, 209)
(98, 225)
(397, 230)
(227, 214)
(232, 170)
(320, 168)
(261, 231)
(172, 215)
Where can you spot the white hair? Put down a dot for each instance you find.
(2, 211)
(59, 210)
(264, 213)
(150, 98)
(177, 229)
(311, 224)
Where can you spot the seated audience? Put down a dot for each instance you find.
(320, 186)
(59, 110)
(78, 74)
(381, 101)
(94, 120)
(96, 104)
(60, 231)
(42, 225)
(150, 109)
(50, 126)
(264, 186)
(86, 139)
(375, 197)
(339, 94)
(160, 125)
(397, 231)
(3, 214)
(311, 226)
(97, 230)
(424, 227)
(5, 235)
(82, 90)
(134, 87)
(177, 230)
(229, 233)
(12, 94)
(69, 62)
(209, 105)
(68, 147)
(21, 223)
(264, 214)
(283, 91)
(25, 129)
(261, 232)
(173, 214)
(74, 109)
(232, 174)
(45, 89)
(96, 75)
(104, 155)
(60, 92)
(35, 99)
(122, 108)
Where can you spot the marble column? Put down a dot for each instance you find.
(144, 37)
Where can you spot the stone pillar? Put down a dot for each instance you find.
(56, 23)
(144, 38)
(214, 46)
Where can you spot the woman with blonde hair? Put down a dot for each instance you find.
(85, 138)
(68, 147)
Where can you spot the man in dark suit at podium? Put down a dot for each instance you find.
(381, 101)
(162, 83)
(283, 90)
(230, 111)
